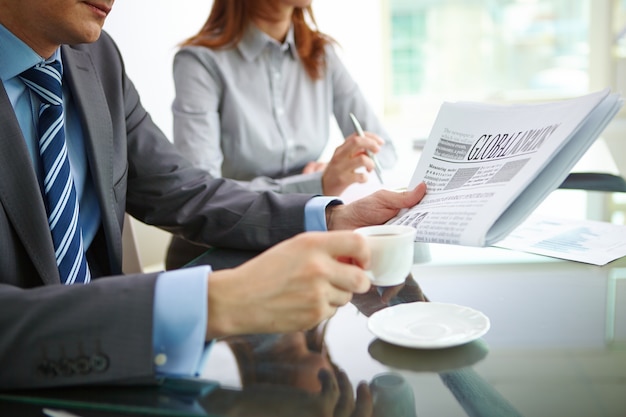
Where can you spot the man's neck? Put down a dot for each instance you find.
(12, 24)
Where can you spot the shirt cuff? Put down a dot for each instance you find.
(180, 320)
(315, 212)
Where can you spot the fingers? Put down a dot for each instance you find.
(348, 255)
(345, 403)
(341, 387)
(345, 172)
(351, 155)
(345, 244)
(400, 200)
(364, 406)
(314, 166)
(363, 160)
(350, 278)
(297, 284)
(361, 177)
(338, 298)
(390, 292)
(414, 196)
(359, 145)
(376, 208)
(330, 386)
(370, 139)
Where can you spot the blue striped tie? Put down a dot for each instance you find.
(62, 206)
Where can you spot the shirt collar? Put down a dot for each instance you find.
(16, 56)
(254, 41)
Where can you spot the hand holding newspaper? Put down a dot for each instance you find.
(488, 167)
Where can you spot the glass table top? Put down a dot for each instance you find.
(556, 346)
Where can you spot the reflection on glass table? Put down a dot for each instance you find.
(556, 347)
(294, 374)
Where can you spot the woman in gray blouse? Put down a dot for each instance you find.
(255, 89)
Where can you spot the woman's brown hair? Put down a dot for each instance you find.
(228, 20)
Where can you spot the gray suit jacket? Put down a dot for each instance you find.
(52, 334)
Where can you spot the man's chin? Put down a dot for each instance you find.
(91, 35)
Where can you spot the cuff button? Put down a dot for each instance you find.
(160, 359)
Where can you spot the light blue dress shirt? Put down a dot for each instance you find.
(180, 300)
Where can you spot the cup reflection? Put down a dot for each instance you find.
(392, 396)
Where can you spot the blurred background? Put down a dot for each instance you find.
(411, 55)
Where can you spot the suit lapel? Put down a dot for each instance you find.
(21, 195)
(90, 100)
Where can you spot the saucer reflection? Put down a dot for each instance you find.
(428, 360)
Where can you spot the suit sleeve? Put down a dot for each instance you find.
(57, 335)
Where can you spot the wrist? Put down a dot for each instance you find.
(220, 318)
(332, 215)
(323, 183)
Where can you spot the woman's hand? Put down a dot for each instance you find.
(314, 166)
(342, 170)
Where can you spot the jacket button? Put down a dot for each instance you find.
(99, 363)
(82, 365)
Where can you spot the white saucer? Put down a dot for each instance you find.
(428, 325)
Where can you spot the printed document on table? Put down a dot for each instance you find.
(588, 241)
(487, 166)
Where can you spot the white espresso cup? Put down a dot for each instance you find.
(391, 252)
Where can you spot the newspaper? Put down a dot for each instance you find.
(487, 167)
(588, 241)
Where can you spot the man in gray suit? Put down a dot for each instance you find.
(137, 328)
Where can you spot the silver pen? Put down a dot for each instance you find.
(359, 131)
